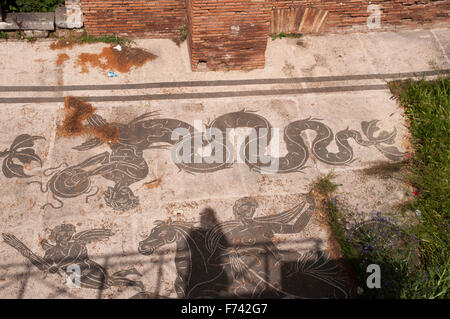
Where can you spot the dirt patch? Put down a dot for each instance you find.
(76, 112)
(114, 60)
(62, 57)
(61, 44)
(106, 133)
(288, 69)
(153, 184)
(333, 247)
(384, 169)
(323, 219)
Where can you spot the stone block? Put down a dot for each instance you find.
(60, 17)
(61, 33)
(70, 16)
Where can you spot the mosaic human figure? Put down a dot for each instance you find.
(69, 250)
(239, 258)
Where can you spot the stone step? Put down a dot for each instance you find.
(29, 21)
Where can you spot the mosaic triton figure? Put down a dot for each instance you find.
(253, 258)
(125, 163)
(238, 258)
(70, 249)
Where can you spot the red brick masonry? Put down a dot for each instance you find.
(347, 14)
(232, 34)
(134, 18)
(228, 34)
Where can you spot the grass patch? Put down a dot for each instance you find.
(385, 169)
(378, 240)
(182, 35)
(414, 259)
(427, 107)
(111, 39)
(282, 35)
(3, 35)
(325, 185)
(74, 39)
(20, 35)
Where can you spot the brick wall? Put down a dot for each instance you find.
(152, 18)
(350, 14)
(228, 34)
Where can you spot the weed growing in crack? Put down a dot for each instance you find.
(282, 35)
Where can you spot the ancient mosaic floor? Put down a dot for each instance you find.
(133, 220)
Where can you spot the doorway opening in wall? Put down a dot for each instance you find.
(202, 65)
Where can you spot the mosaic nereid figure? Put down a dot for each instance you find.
(70, 249)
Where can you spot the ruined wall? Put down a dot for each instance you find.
(232, 34)
(228, 34)
(342, 15)
(152, 18)
(164, 18)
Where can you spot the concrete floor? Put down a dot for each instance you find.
(317, 78)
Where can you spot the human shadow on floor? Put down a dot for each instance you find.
(240, 258)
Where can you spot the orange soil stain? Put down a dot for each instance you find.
(113, 60)
(153, 184)
(76, 112)
(62, 57)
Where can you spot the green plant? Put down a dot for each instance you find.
(325, 185)
(285, 35)
(113, 39)
(427, 107)
(382, 241)
(379, 241)
(30, 5)
(3, 35)
(414, 260)
(183, 33)
(72, 38)
(31, 39)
